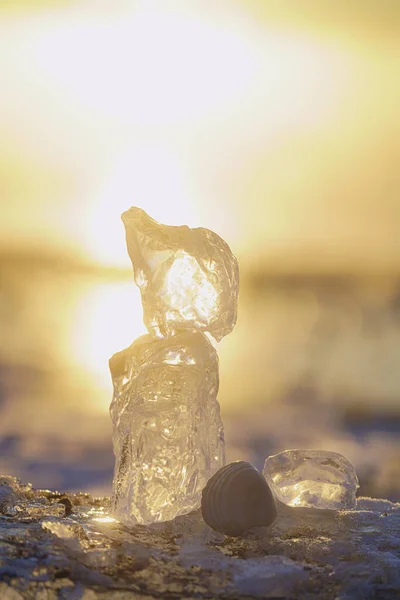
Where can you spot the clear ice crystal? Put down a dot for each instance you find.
(312, 479)
(188, 278)
(168, 435)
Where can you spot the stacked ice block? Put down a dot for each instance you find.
(167, 431)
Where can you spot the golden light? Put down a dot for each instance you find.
(105, 520)
(149, 176)
(307, 489)
(143, 95)
(107, 319)
(143, 98)
(188, 291)
(152, 64)
(190, 79)
(99, 515)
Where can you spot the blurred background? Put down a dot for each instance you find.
(273, 122)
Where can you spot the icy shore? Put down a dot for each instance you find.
(66, 546)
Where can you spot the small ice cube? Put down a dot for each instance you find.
(312, 479)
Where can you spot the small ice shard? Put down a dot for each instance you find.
(8, 499)
(168, 435)
(312, 479)
(188, 278)
(65, 530)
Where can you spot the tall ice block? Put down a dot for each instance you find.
(188, 278)
(168, 435)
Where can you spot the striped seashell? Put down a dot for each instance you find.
(236, 498)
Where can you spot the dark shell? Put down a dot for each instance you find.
(236, 498)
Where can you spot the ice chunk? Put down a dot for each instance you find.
(312, 479)
(8, 498)
(64, 529)
(15, 484)
(188, 278)
(168, 435)
(37, 510)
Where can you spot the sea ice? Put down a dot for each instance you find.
(188, 278)
(8, 498)
(312, 479)
(168, 435)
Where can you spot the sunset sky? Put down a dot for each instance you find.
(275, 123)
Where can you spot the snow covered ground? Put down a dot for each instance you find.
(55, 546)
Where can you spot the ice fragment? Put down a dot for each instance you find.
(168, 435)
(64, 530)
(312, 479)
(37, 510)
(188, 278)
(8, 499)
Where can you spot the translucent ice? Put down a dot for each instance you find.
(188, 278)
(312, 479)
(36, 510)
(8, 499)
(168, 435)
